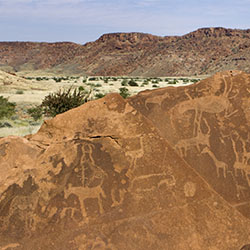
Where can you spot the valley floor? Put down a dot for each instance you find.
(32, 91)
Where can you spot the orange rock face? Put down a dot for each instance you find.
(104, 176)
(208, 124)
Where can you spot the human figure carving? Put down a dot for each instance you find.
(218, 164)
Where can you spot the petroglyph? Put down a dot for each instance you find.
(85, 192)
(199, 141)
(189, 189)
(241, 159)
(150, 182)
(156, 100)
(218, 164)
(211, 104)
(10, 246)
(92, 192)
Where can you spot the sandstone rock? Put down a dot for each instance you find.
(208, 124)
(102, 176)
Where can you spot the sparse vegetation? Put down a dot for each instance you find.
(124, 92)
(93, 79)
(59, 102)
(99, 95)
(36, 112)
(124, 82)
(7, 109)
(133, 83)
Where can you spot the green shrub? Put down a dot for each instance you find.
(155, 81)
(124, 82)
(155, 86)
(81, 88)
(59, 102)
(93, 78)
(132, 83)
(99, 95)
(124, 92)
(36, 112)
(62, 101)
(57, 79)
(7, 109)
(19, 92)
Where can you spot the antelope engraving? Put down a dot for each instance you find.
(198, 141)
(86, 192)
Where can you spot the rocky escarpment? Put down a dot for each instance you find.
(204, 51)
(103, 175)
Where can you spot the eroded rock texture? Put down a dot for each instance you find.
(102, 176)
(208, 124)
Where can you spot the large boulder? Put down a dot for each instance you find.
(102, 176)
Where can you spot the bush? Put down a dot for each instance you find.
(62, 101)
(99, 95)
(124, 92)
(57, 79)
(36, 112)
(81, 88)
(132, 83)
(124, 82)
(59, 102)
(7, 109)
(93, 78)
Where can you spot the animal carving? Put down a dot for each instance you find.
(199, 141)
(86, 192)
(241, 160)
(211, 104)
(218, 164)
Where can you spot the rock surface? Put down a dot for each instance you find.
(208, 124)
(204, 51)
(103, 176)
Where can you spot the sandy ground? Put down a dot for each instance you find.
(30, 92)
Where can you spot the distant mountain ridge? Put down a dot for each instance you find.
(204, 51)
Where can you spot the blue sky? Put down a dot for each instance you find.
(81, 21)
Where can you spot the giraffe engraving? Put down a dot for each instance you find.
(218, 164)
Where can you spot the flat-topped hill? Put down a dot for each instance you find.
(204, 51)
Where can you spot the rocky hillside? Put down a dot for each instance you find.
(204, 51)
(111, 173)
